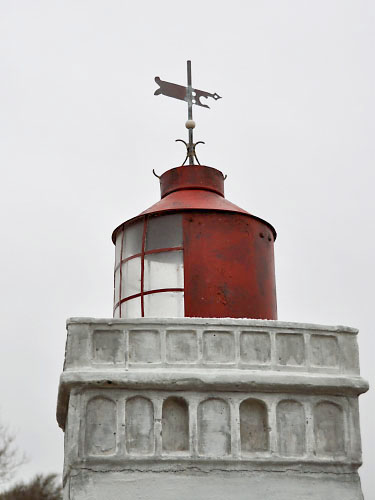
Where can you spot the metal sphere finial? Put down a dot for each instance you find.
(190, 124)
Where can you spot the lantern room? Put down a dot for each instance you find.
(194, 254)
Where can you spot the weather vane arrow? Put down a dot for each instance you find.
(191, 96)
(181, 92)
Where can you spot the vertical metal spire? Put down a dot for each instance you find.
(191, 96)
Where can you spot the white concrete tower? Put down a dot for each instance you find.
(194, 390)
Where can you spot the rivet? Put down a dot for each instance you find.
(261, 235)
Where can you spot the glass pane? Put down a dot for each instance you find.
(164, 305)
(164, 231)
(131, 277)
(131, 308)
(164, 270)
(118, 247)
(117, 286)
(133, 239)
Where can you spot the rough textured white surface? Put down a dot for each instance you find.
(210, 408)
(213, 486)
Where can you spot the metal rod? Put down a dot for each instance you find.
(190, 113)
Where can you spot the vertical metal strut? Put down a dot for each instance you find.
(191, 148)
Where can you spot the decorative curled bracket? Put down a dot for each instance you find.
(190, 151)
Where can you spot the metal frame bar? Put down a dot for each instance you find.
(141, 254)
(120, 283)
(148, 252)
(143, 266)
(148, 292)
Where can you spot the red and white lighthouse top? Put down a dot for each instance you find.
(194, 253)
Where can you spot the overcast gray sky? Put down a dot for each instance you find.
(80, 131)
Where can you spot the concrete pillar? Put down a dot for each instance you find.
(210, 409)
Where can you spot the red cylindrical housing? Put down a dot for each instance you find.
(194, 254)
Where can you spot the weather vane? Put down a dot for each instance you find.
(191, 96)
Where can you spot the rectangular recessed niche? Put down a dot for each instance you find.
(324, 350)
(255, 348)
(214, 429)
(291, 428)
(101, 427)
(108, 347)
(218, 347)
(139, 426)
(182, 346)
(144, 346)
(290, 349)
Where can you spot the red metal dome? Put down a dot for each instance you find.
(226, 253)
(194, 187)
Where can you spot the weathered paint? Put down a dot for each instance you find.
(192, 188)
(228, 267)
(226, 423)
(197, 177)
(212, 484)
(228, 253)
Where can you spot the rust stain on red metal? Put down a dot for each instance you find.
(199, 177)
(228, 253)
(229, 269)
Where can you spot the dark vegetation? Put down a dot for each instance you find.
(41, 487)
